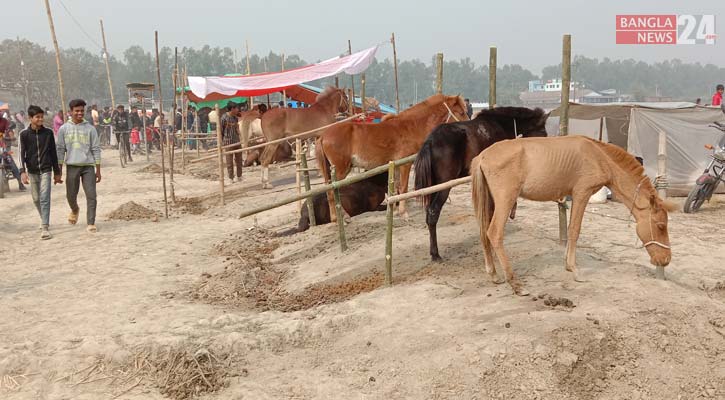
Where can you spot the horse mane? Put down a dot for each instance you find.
(520, 113)
(421, 107)
(627, 162)
(326, 93)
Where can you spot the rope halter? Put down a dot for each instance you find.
(652, 240)
(450, 113)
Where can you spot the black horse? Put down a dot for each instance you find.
(357, 198)
(447, 152)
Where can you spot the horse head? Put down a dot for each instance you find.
(456, 107)
(334, 98)
(537, 127)
(652, 226)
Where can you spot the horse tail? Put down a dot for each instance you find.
(423, 170)
(481, 196)
(322, 162)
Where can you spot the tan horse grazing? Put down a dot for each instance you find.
(281, 122)
(367, 146)
(547, 169)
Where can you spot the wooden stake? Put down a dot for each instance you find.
(308, 187)
(662, 166)
(269, 105)
(284, 92)
(22, 73)
(352, 83)
(395, 68)
(172, 145)
(182, 96)
(439, 73)
(161, 107)
(564, 121)
(389, 226)
(249, 72)
(492, 60)
(298, 176)
(57, 59)
(338, 211)
(220, 154)
(362, 93)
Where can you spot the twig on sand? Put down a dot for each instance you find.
(128, 390)
(208, 384)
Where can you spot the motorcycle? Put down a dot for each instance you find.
(6, 169)
(708, 182)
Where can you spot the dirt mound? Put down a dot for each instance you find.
(152, 168)
(132, 211)
(190, 205)
(251, 280)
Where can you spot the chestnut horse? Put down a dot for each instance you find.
(281, 122)
(547, 169)
(367, 146)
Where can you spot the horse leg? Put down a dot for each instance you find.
(495, 234)
(433, 212)
(266, 159)
(578, 205)
(403, 188)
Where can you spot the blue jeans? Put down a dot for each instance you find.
(40, 189)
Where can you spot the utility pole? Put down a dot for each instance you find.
(57, 57)
(108, 68)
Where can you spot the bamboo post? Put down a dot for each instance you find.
(161, 107)
(362, 93)
(395, 69)
(601, 128)
(182, 95)
(57, 59)
(298, 164)
(661, 181)
(564, 122)
(337, 81)
(352, 82)
(22, 74)
(249, 72)
(284, 92)
(338, 211)
(172, 146)
(439, 73)
(308, 187)
(389, 229)
(492, 61)
(108, 68)
(220, 154)
(269, 106)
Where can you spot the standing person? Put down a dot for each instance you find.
(120, 128)
(717, 97)
(38, 158)
(58, 121)
(79, 148)
(6, 137)
(158, 125)
(95, 117)
(469, 108)
(230, 135)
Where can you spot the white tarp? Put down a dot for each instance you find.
(687, 134)
(259, 84)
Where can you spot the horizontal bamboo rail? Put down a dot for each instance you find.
(284, 139)
(431, 189)
(325, 188)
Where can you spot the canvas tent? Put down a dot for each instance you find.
(636, 127)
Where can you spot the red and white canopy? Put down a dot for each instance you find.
(260, 84)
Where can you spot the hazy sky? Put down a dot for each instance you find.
(525, 32)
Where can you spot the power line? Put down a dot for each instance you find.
(79, 25)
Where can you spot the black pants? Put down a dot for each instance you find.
(75, 175)
(122, 139)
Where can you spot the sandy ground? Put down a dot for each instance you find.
(206, 304)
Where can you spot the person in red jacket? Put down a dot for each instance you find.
(717, 97)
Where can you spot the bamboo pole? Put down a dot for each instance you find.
(172, 146)
(427, 190)
(249, 72)
(439, 73)
(389, 226)
(298, 176)
(182, 95)
(311, 132)
(161, 107)
(57, 59)
(326, 188)
(308, 187)
(352, 82)
(492, 66)
(601, 128)
(564, 122)
(26, 104)
(220, 155)
(269, 105)
(108, 68)
(661, 180)
(284, 92)
(362, 93)
(338, 211)
(395, 68)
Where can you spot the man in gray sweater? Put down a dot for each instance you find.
(79, 149)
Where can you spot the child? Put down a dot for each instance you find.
(135, 139)
(38, 159)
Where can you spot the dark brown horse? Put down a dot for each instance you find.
(357, 198)
(367, 146)
(449, 149)
(280, 122)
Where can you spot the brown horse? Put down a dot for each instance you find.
(280, 122)
(367, 146)
(247, 121)
(544, 169)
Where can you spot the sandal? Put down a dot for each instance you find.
(73, 217)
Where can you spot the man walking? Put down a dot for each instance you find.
(230, 135)
(122, 130)
(38, 158)
(6, 137)
(79, 148)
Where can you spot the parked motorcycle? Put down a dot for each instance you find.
(6, 171)
(708, 182)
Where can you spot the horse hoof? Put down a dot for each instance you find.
(267, 186)
(496, 280)
(436, 258)
(521, 292)
(578, 278)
